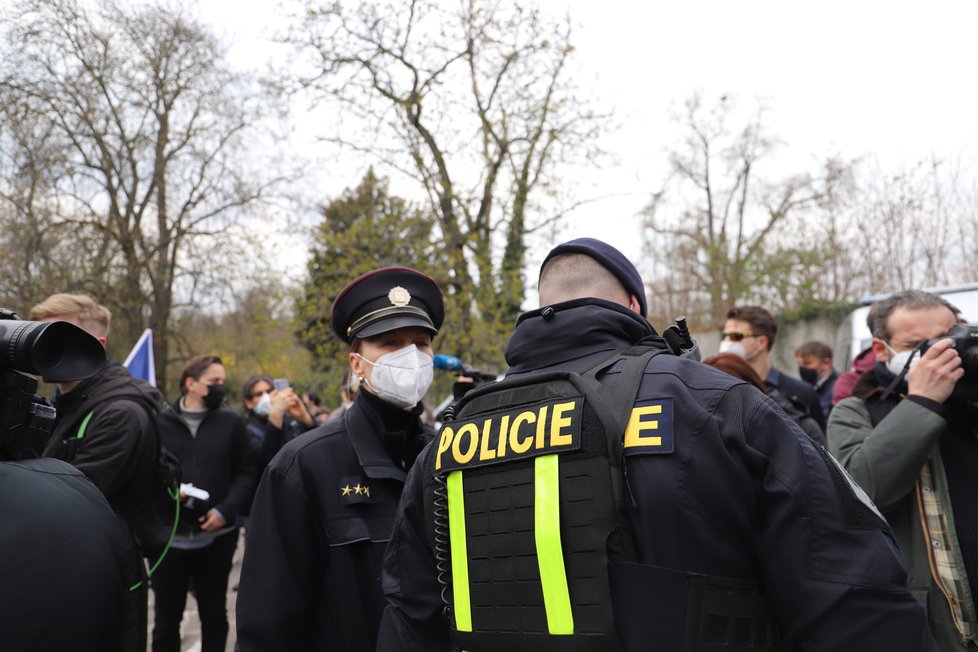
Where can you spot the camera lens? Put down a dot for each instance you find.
(58, 351)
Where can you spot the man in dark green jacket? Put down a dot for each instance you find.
(914, 449)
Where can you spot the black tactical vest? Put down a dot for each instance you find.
(525, 503)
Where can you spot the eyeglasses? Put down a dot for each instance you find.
(736, 337)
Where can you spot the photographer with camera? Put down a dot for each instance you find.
(907, 435)
(64, 555)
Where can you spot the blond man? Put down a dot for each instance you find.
(106, 428)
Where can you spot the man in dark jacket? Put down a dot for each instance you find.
(814, 360)
(212, 445)
(106, 429)
(729, 504)
(749, 332)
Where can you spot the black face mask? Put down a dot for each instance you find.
(810, 376)
(215, 396)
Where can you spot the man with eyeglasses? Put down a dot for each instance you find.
(749, 332)
(913, 446)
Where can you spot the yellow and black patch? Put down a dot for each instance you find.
(552, 426)
(649, 429)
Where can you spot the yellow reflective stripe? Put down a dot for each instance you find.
(460, 555)
(550, 555)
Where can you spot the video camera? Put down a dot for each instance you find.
(58, 352)
(451, 363)
(965, 338)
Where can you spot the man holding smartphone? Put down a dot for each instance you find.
(274, 415)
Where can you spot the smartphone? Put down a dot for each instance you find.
(280, 383)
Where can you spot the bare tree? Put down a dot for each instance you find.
(144, 128)
(474, 102)
(713, 227)
(40, 253)
(903, 230)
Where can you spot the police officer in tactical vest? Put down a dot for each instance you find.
(610, 495)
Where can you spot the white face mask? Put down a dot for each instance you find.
(726, 346)
(898, 361)
(264, 405)
(401, 377)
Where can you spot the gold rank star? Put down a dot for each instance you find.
(366, 491)
(358, 489)
(346, 490)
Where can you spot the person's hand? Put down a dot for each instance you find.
(211, 521)
(298, 410)
(936, 372)
(280, 405)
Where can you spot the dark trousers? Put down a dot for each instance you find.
(208, 568)
(135, 622)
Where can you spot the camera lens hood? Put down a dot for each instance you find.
(57, 351)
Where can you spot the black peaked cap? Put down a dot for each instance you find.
(386, 299)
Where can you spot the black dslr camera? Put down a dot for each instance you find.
(59, 352)
(965, 338)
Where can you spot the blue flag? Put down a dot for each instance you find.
(140, 361)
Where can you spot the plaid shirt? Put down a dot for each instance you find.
(944, 557)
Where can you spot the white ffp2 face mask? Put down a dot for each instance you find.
(898, 361)
(264, 405)
(401, 377)
(736, 348)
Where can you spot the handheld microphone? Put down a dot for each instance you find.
(448, 362)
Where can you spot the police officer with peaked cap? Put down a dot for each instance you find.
(325, 506)
(729, 528)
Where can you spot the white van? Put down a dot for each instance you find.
(853, 335)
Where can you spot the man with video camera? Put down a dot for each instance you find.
(64, 555)
(907, 435)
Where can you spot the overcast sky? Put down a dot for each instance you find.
(890, 80)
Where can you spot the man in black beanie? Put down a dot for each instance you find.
(608, 495)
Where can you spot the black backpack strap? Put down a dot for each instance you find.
(620, 395)
(618, 399)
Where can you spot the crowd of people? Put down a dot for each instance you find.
(611, 492)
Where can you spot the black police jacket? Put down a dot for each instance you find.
(740, 492)
(320, 522)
